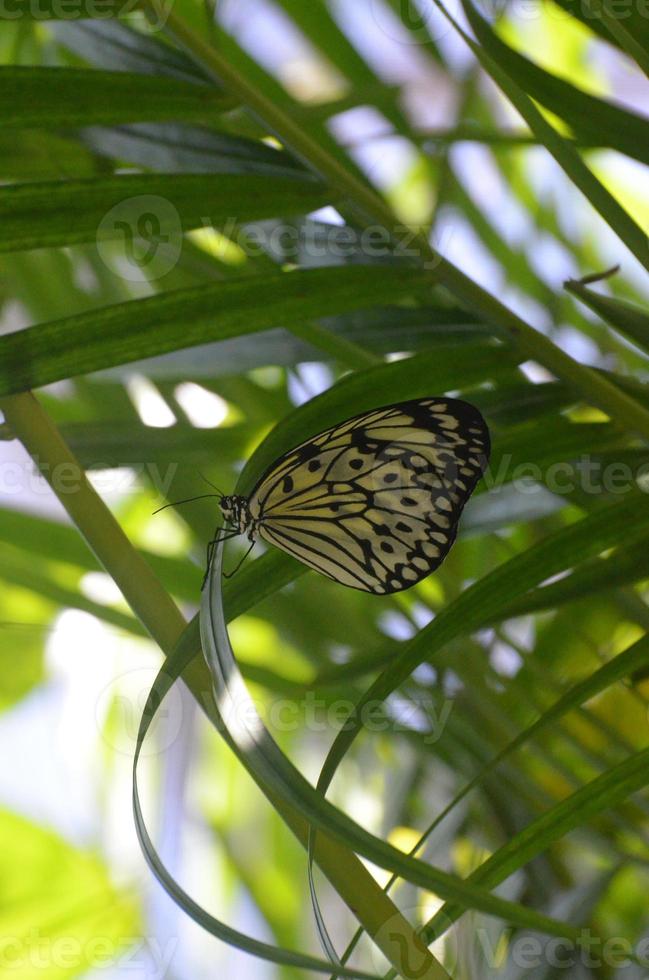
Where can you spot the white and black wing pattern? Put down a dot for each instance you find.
(374, 502)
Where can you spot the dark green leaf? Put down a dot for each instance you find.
(59, 97)
(146, 207)
(127, 331)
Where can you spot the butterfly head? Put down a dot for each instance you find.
(236, 512)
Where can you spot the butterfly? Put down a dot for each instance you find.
(373, 502)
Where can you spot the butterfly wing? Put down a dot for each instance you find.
(373, 502)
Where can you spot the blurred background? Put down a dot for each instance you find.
(397, 90)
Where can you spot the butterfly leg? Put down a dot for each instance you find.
(211, 545)
(235, 570)
(208, 561)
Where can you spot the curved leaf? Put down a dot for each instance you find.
(254, 745)
(481, 602)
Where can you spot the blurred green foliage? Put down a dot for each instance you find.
(187, 314)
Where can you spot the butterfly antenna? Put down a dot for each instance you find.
(187, 500)
(209, 483)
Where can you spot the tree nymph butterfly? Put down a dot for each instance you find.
(373, 502)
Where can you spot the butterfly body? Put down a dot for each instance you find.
(374, 501)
